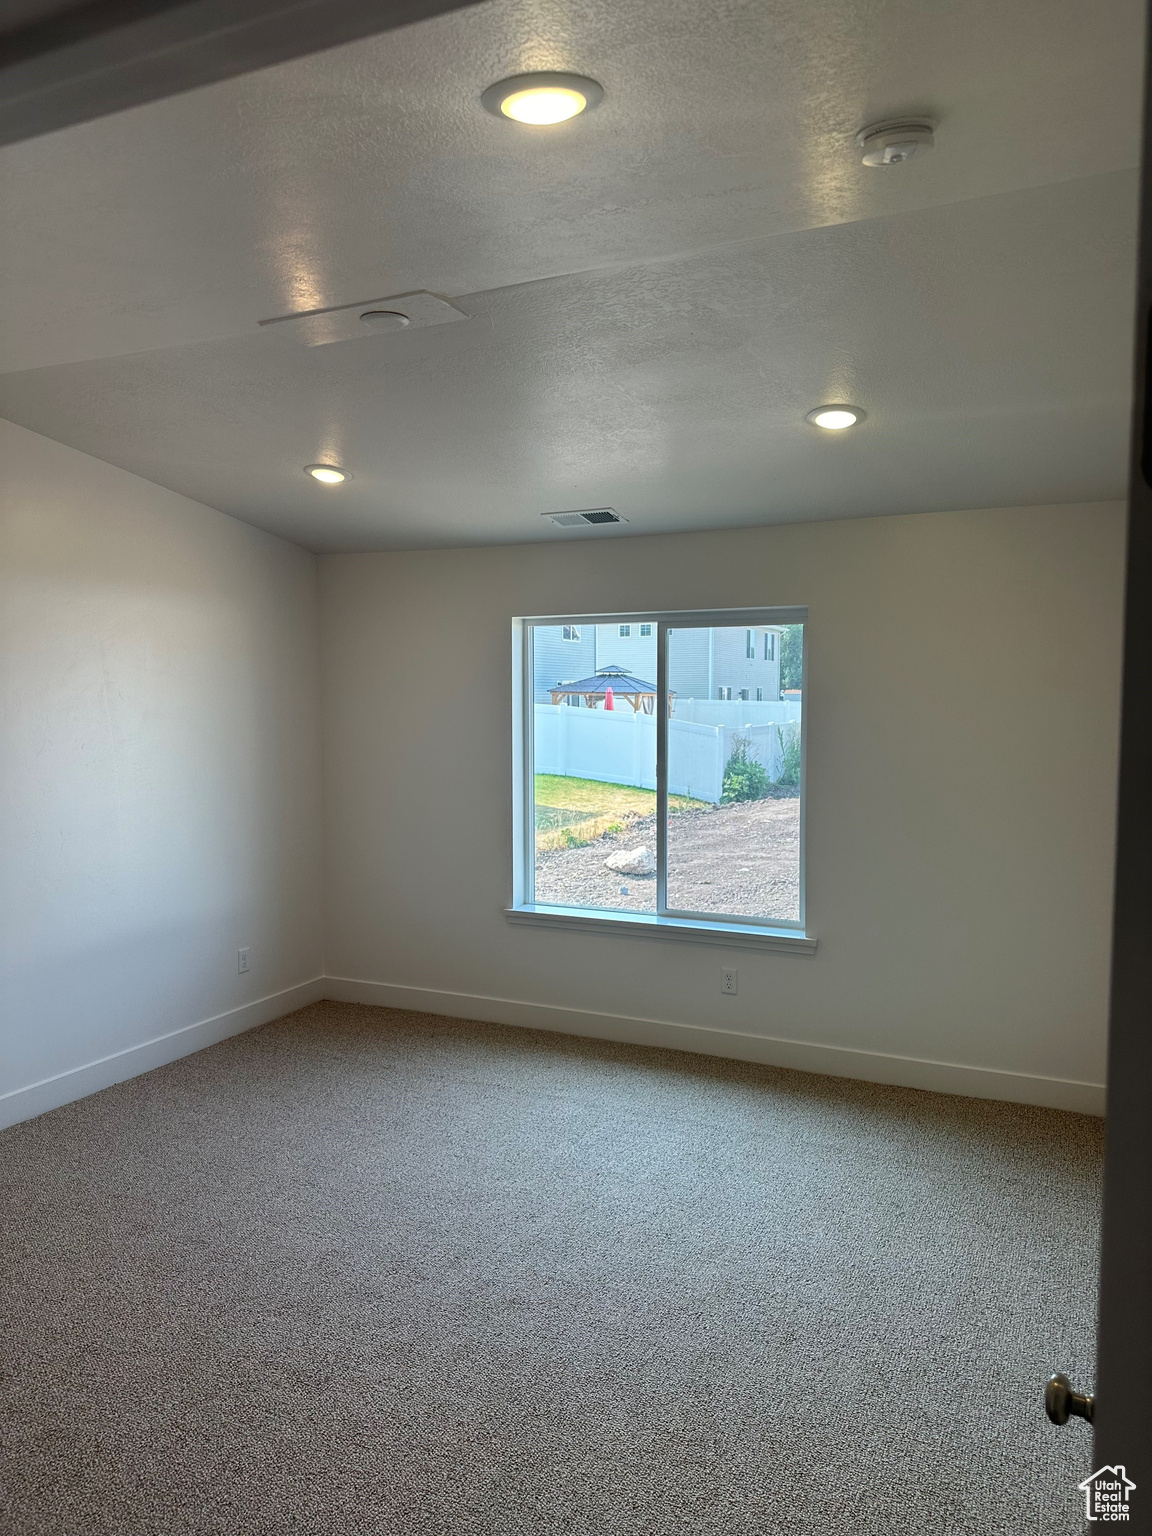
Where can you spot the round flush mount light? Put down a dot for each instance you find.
(834, 418)
(384, 319)
(895, 142)
(543, 98)
(327, 474)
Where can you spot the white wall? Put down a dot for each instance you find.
(959, 860)
(159, 775)
(159, 803)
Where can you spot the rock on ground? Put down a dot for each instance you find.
(632, 861)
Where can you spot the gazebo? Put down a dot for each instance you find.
(641, 695)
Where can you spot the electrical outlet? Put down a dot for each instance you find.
(730, 982)
(242, 960)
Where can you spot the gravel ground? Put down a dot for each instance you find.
(739, 859)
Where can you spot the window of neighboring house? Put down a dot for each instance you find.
(750, 644)
(608, 812)
(625, 631)
(759, 695)
(645, 631)
(769, 647)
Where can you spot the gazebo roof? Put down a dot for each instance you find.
(615, 678)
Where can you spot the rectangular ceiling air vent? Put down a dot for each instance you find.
(594, 515)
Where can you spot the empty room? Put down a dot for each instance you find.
(573, 774)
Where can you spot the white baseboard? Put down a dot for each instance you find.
(801, 1056)
(51, 1092)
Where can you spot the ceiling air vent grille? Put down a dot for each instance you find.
(594, 516)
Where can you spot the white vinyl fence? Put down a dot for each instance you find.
(739, 712)
(619, 747)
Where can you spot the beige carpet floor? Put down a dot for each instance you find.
(364, 1271)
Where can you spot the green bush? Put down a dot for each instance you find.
(792, 656)
(790, 749)
(744, 777)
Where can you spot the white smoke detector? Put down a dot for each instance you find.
(893, 143)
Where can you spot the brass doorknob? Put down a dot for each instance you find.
(1062, 1401)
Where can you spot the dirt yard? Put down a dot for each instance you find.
(740, 859)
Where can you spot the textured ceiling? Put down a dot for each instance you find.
(658, 291)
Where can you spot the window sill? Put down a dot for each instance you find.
(642, 925)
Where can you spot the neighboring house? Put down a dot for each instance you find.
(729, 663)
(631, 646)
(742, 663)
(560, 654)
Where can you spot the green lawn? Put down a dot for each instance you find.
(593, 798)
(574, 811)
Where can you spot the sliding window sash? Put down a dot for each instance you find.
(691, 619)
(662, 713)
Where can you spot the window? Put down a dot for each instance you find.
(650, 806)
(625, 631)
(759, 695)
(571, 632)
(769, 647)
(645, 631)
(750, 644)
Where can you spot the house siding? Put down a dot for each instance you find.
(733, 668)
(689, 671)
(556, 660)
(688, 658)
(698, 665)
(635, 652)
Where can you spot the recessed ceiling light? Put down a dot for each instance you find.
(834, 418)
(327, 474)
(542, 99)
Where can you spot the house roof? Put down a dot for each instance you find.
(615, 678)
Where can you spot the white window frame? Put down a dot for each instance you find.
(625, 631)
(769, 646)
(727, 930)
(645, 631)
(573, 635)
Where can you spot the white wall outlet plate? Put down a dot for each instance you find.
(242, 960)
(730, 983)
